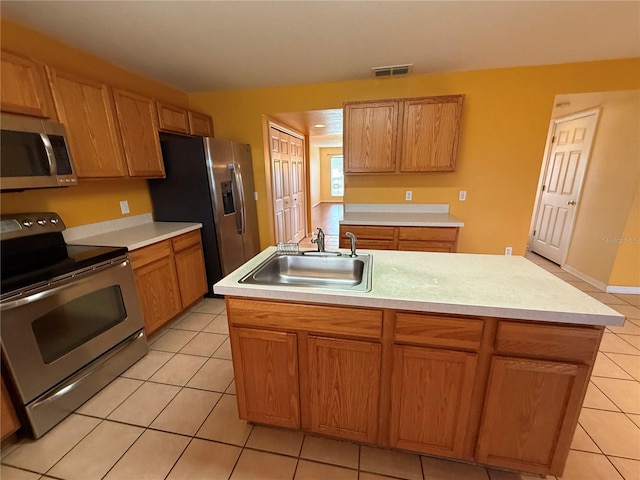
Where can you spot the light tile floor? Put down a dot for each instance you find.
(173, 415)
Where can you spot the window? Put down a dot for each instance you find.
(337, 176)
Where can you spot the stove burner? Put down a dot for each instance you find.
(33, 252)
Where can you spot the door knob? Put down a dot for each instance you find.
(571, 202)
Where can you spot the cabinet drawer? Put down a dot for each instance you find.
(151, 253)
(548, 341)
(368, 244)
(377, 233)
(439, 234)
(186, 240)
(311, 318)
(439, 330)
(419, 246)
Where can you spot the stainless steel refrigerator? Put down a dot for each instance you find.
(210, 181)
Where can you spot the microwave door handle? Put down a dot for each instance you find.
(237, 176)
(51, 159)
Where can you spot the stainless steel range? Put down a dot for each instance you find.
(71, 321)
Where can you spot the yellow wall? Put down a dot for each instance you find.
(92, 200)
(325, 174)
(504, 125)
(626, 268)
(610, 182)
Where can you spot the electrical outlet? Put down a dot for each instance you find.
(124, 207)
(408, 195)
(507, 251)
(463, 195)
(255, 196)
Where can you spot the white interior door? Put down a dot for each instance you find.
(564, 171)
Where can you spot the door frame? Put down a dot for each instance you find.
(553, 125)
(267, 123)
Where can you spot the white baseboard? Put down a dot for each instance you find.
(623, 290)
(596, 283)
(602, 286)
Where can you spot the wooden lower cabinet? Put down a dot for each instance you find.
(530, 413)
(158, 292)
(431, 397)
(417, 239)
(9, 422)
(344, 378)
(498, 392)
(190, 268)
(170, 276)
(266, 374)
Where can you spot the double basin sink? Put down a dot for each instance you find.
(329, 270)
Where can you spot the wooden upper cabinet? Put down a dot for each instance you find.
(86, 109)
(200, 124)
(138, 121)
(370, 137)
(176, 119)
(402, 135)
(430, 134)
(23, 87)
(172, 118)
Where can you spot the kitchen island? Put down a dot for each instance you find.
(480, 358)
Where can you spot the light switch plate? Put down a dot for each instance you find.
(124, 207)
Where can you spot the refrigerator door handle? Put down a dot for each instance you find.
(237, 176)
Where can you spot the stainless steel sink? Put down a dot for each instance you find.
(337, 272)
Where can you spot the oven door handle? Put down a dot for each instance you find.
(68, 387)
(68, 282)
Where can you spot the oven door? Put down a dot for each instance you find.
(53, 332)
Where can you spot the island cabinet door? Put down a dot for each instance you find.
(530, 414)
(265, 365)
(431, 397)
(344, 379)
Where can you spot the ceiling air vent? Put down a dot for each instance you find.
(392, 70)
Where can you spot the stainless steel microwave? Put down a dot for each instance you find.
(34, 153)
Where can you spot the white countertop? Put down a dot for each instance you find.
(137, 236)
(456, 283)
(401, 219)
(405, 215)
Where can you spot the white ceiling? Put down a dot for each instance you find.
(218, 45)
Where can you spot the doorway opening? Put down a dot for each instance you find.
(323, 172)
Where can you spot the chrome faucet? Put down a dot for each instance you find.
(352, 237)
(319, 240)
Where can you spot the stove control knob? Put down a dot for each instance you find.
(53, 220)
(27, 223)
(41, 221)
